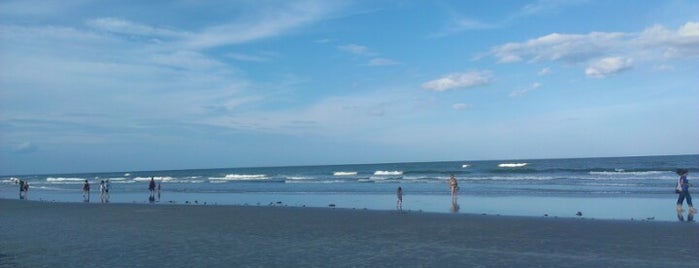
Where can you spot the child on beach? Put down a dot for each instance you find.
(684, 194)
(399, 195)
(86, 192)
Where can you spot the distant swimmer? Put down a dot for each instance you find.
(86, 191)
(399, 195)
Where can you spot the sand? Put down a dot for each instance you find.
(43, 234)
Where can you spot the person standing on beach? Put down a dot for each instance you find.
(399, 195)
(102, 191)
(683, 192)
(26, 190)
(151, 188)
(86, 192)
(106, 191)
(158, 191)
(21, 189)
(453, 187)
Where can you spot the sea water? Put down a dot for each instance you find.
(639, 188)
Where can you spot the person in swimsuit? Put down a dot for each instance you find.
(453, 187)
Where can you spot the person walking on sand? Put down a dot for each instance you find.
(86, 192)
(399, 202)
(453, 187)
(683, 191)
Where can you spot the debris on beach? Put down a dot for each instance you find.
(331, 205)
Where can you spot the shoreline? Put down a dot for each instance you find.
(38, 233)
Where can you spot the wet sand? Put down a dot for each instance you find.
(43, 234)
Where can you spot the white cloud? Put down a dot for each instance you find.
(458, 80)
(544, 71)
(382, 62)
(523, 91)
(122, 26)
(248, 57)
(461, 106)
(595, 49)
(608, 66)
(354, 49)
(26, 147)
(542, 6)
(268, 23)
(571, 48)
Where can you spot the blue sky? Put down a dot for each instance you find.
(149, 85)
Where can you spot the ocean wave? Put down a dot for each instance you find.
(316, 181)
(345, 173)
(53, 180)
(388, 173)
(617, 172)
(163, 179)
(240, 177)
(512, 165)
(465, 165)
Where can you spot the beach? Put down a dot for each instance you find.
(48, 234)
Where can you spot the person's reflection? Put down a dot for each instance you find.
(454, 206)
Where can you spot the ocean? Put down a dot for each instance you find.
(639, 188)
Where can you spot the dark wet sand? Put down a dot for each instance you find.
(42, 234)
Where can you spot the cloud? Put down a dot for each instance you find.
(521, 92)
(26, 147)
(121, 26)
(605, 53)
(382, 62)
(249, 57)
(570, 48)
(544, 71)
(267, 23)
(354, 49)
(608, 66)
(461, 106)
(543, 6)
(459, 80)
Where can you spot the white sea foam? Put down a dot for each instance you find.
(127, 174)
(64, 180)
(512, 165)
(300, 178)
(240, 177)
(163, 179)
(622, 172)
(345, 173)
(316, 181)
(388, 173)
(465, 165)
(11, 180)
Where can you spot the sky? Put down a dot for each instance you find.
(89, 86)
